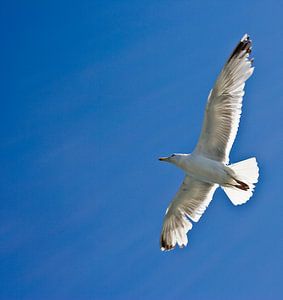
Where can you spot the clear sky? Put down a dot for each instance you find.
(92, 93)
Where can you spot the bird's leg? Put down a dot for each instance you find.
(241, 185)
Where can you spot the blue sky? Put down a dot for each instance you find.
(92, 93)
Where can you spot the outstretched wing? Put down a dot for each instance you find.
(224, 106)
(190, 201)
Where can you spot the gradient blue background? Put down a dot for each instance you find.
(92, 92)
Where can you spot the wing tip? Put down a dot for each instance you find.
(164, 246)
(245, 45)
(245, 37)
(171, 237)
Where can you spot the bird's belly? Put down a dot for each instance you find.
(207, 170)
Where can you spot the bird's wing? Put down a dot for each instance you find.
(190, 201)
(224, 105)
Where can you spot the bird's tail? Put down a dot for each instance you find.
(246, 175)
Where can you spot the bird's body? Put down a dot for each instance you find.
(202, 168)
(206, 168)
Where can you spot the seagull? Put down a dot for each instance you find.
(207, 167)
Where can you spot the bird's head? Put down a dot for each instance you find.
(175, 158)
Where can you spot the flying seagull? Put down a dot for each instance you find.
(207, 167)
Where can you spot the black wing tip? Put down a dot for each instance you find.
(245, 37)
(245, 45)
(164, 246)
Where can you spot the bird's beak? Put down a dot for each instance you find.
(163, 158)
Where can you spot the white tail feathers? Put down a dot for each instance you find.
(246, 171)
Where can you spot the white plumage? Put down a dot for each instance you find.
(206, 167)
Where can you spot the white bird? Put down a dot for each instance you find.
(207, 166)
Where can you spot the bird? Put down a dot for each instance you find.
(207, 167)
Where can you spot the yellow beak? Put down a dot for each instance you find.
(163, 158)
